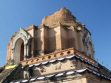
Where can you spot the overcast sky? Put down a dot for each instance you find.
(95, 14)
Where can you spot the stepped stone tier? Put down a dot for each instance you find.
(59, 50)
(58, 31)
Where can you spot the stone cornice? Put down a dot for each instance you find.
(55, 55)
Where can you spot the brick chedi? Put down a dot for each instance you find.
(59, 50)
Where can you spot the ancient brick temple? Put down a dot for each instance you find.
(59, 50)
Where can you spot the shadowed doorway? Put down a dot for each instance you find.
(19, 51)
(22, 52)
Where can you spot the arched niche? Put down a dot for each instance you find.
(19, 50)
(20, 46)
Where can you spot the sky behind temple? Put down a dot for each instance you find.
(95, 14)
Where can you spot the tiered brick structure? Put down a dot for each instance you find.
(59, 50)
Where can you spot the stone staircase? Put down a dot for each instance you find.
(7, 74)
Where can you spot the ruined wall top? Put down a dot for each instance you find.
(63, 16)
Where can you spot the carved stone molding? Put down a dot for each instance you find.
(23, 35)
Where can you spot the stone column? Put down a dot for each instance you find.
(42, 40)
(25, 51)
(58, 38)
(12, 57)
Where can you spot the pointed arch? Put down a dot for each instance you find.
(20, 45)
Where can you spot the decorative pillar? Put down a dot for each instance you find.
(25, 51)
